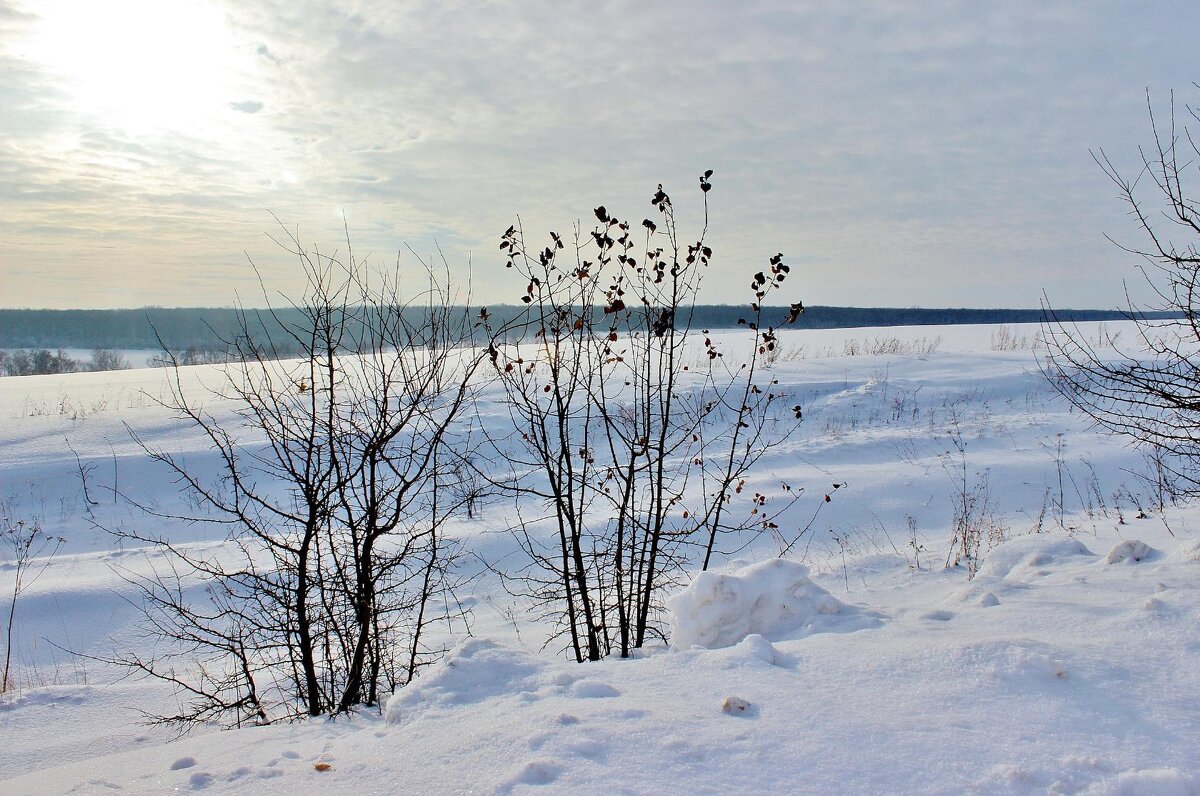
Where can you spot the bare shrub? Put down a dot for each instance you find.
(337, 564)
(974, 517)
(639, 453)
(1005, 338)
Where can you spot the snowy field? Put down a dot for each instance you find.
(859, 664)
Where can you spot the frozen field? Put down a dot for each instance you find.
(859, 664)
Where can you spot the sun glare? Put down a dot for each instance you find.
(143, 66)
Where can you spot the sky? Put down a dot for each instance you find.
(898, 153)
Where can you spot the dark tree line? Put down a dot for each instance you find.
(206, 330)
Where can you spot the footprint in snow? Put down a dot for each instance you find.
(182, 763)
(938, 616)
(540, 773)
(589, 749)
(103, 783)
(200, 780)
(535, 772)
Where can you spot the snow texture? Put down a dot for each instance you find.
(864, 665)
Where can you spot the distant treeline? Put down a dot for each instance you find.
(211, 329)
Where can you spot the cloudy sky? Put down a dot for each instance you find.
(900, 153)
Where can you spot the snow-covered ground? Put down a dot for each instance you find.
(859, 664)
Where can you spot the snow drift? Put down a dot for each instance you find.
(472, 672)
(774, 599)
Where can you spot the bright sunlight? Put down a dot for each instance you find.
(144, 66)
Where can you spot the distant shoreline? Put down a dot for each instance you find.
(209, 327)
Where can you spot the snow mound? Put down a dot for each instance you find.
(1027, 552)
(774, 599)
(1021, 662)
(591, 689)
(756, 648)
(1088, 776)
(753, 653)
(1154, 606)
(1189, 551)
(1148, 782)
(1130, 551)
(474, 671)
(1021, 666)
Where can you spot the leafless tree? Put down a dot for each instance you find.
(1149, 388)
(336, 474)
(108, 359)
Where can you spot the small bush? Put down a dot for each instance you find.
(36, 362)
(108, 359)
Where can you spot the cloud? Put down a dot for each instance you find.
(265, 52)
(932, 153)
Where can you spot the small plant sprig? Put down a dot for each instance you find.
(29, 550)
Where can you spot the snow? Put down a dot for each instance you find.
(773, 599)
(859, 663)
(1017, 558)
(1130, 551)
(474, 671)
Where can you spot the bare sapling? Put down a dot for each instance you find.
(29, 550)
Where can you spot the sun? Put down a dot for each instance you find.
(143, 66)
